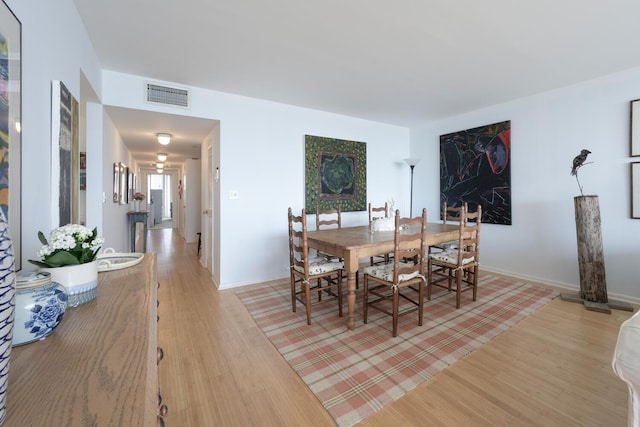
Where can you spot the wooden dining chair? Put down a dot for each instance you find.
(326, 219)
(388, 283)
(375, 213)
(311, 275)
(450, 215)
(458, 265)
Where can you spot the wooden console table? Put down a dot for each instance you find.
(100, 366)
(134, 218)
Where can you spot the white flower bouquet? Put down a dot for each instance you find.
(71, 244)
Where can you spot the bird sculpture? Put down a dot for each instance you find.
(579, 160)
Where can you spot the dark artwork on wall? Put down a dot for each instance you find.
(83, 171)
(335, 173)
(65, 155)
(475, 168)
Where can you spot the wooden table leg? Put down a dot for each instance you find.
(351, 267)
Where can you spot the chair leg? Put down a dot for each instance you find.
(340, 293)
(429, 279)
(396, 303)
(307, 294)
(458, 286)
(475, 281)
(365, 300)
(420, 302)
(293, 292)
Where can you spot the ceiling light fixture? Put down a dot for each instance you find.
(164, 138)
(160, 165)
(162, 157)
(160, 171)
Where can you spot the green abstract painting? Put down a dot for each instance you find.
(335, 173)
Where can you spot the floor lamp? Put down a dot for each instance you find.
(412, 162)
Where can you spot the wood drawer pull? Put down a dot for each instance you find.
(160, 354)
(159, 398)
(162, 410)
(160, 421)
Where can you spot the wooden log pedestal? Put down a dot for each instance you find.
(593, 282)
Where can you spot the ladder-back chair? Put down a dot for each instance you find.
(325, 274)
(375, 213)
(389, 283)
(458, 265)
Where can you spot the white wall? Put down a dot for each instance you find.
(115, 221)
(262, 158)
(547, 131)
(55, 46)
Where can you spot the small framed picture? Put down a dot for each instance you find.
(116, 182)
(635, 190)
(635, 128)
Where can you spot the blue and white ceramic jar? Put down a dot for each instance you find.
(40, 306)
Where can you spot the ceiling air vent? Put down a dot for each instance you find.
(165, 95)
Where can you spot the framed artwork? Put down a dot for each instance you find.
(335, 173)
(11, 125)
(116, 182)
(635, 128)
(635, 190)
(122, 187)
(130, 184)
(475, 168)
(83, 171)
(65, 155)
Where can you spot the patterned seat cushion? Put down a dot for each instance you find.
(321, 265)
(385, 272)
(450, 257)
(448, 246)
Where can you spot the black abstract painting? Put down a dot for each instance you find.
(475, 169)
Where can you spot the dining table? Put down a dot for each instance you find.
(354, 243)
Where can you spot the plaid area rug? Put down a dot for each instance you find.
(355, 373)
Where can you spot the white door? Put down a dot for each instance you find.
(207, 255)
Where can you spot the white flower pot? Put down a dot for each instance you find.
(81, 281)
(136, 205)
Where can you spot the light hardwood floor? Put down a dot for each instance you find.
(551, 369)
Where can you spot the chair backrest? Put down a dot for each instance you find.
(298, 245)
(409, 243)
(469, 237)
(452, 214)
(377, 212)
(328, 218)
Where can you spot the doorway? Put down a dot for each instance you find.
(160, 205)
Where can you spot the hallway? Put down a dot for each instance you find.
(218, 367)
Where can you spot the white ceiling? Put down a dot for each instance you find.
(138, 129)
(403, 62)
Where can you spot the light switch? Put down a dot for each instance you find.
(233, 194)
